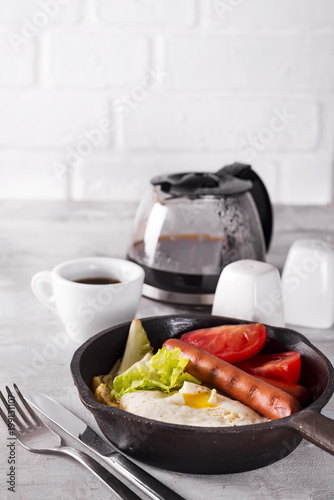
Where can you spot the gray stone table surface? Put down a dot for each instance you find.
(35, 352)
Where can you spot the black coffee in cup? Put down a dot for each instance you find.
(99, 280)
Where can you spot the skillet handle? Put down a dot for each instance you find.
(315, 428)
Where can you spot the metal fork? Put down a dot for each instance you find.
(36, 436)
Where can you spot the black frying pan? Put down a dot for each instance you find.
(201, 449)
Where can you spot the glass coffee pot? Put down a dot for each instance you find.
(190, 225)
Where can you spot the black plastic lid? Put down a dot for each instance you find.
(195, 184)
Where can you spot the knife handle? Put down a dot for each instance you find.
(141, 479)
(121, 490)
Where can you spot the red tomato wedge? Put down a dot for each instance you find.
(232, 343)
(284, 366)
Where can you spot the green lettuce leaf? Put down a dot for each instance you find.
(164, 371)
(137, 346)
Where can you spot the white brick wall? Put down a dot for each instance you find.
(189, 122)
(19, 70)
(147, 12)
(94, 58)
(266, 16)
(61, 11)
(31, 176)
(97, 96)
(36, 118)
(248, 62)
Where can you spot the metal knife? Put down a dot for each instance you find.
(73, 425)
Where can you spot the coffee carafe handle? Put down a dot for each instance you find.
(259, 194)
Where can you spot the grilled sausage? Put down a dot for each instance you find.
(301, 393)
(253, 392)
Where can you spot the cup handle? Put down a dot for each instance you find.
(41, 285)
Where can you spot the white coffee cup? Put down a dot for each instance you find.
(86, 309)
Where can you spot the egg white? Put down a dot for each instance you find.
(192, 405)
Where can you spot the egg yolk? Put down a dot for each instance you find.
(200, 400)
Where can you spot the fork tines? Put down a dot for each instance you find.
(12, 407)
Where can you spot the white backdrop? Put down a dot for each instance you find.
(98, 96)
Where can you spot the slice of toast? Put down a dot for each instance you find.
(102, 385)
(102, 394)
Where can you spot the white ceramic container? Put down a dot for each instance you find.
(250, 290)
(308, 284)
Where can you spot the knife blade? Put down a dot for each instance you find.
(77, 428)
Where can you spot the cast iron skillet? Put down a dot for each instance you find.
(202, 449)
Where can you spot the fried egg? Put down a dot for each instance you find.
(191, 405)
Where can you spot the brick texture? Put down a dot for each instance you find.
(58, 11)
(18, 68)
(213, 123)
(36, 119)
(279, 15)
(29, 176)
(145, 12)
(97, 96)
(95, 58)
(306, 174)
(269, 62)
